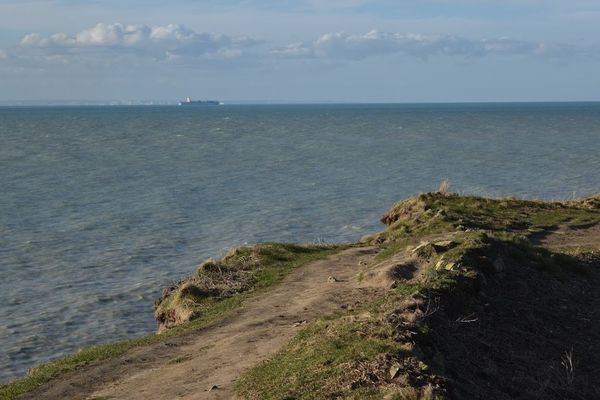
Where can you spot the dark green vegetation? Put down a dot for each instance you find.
(258, 267)
(479, 310)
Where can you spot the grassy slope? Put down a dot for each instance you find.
(379, 352)
(269, 264)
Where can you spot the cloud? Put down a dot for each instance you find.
(355, 47)
(295, 50)
(161, 42)
(105, 45)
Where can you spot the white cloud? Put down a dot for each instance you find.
(295, 50)
(351, 46)
(104, 45)
(156, 41)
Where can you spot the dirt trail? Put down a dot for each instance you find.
(205, 364)
(568, 237)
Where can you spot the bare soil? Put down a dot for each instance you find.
(561, 237)
(204, 364)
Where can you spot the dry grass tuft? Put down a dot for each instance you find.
(567, 362)
(444, 188)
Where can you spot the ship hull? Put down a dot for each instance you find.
(199, 103)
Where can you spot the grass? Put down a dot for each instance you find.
(321, 362)
(478, 250)
(350, 355)
(417, 218)
(277, 260)
(346, 356)
(48, 371)
(333, 357)
(224, 284)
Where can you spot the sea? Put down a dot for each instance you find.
(102, 207)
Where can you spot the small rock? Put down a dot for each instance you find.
(394, 369)
(443, 244)
(440, 264)
(332, 279)
(420, 246)
(214, 387)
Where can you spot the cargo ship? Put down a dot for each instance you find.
(189, 102)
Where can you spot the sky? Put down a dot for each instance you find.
(300, 51)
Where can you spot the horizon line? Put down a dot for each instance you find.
(144, 102)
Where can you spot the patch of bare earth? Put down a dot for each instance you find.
(569, 237)
(204, 364)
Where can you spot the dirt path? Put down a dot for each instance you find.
(205, 364)
(568, 237)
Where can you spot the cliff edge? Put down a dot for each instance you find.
(459, 297)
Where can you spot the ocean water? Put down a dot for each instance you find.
(100, 207)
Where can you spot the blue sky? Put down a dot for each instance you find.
(307, 50)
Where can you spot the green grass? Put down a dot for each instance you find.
(216, 284)
(418, 218)
(572, 217)
(330, 357)
(48, 371)
(495, 214)
(277, 261)
(319, 361)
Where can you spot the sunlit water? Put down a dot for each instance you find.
(102, 206)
